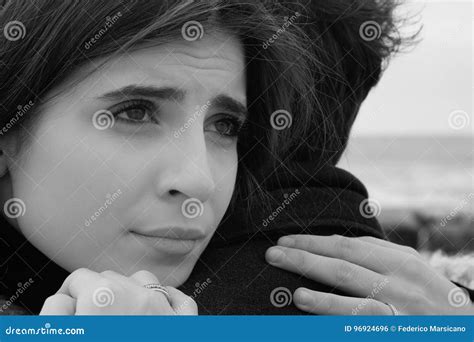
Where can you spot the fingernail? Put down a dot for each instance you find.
(275, 254)
(286, 241)
(303, 296)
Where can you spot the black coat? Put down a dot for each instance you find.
(232, 276)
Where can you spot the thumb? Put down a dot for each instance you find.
(182, 304)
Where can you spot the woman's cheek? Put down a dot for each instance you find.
(64, 189)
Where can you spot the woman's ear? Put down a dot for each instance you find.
(6, 186)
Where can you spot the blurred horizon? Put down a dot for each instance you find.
(422, 187)
(423, 86)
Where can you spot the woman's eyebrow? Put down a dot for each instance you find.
(223, 101)
(230, 104)
(162, 93)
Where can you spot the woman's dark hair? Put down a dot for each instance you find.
(304, 58)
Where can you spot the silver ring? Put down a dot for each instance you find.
(393, 309)
(158, 288)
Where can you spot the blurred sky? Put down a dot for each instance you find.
(422, 87)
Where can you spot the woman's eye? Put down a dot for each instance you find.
(228, 127)
(135, 112)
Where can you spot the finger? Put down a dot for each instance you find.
(181, 303)
(78, 281)
(341, 274)
(144, 277)
(388, 244)
(330, 304)
(59, 304)
(374, 257)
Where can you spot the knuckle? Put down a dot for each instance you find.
(344, 246)
(302, 261)
(191, 303)
(107, 285)
(413, 265)
(327, 303)
(343, 272)
(374, 308)
(108, 273)
(144, 273)
(80, 272)
(411, 250)
(295, 257)
(51, 300)
(304, 242)
(416, 296)
(146, 297)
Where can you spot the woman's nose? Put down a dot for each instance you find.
(187, 170)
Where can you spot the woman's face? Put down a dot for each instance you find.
(134, 167)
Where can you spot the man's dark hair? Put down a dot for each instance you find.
(352, 41)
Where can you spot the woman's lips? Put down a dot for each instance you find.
(172, 240)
